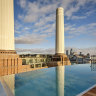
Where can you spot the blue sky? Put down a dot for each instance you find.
(35, 23)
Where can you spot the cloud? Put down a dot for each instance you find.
(36, 51)
(22, 3)
(37, 9)
(31, 39)
(88, 13)
(21, 16)
(79, 4)
(78, 17)
(38, 19)
(73, 30)
(17, 25)
(39, 34)
(70, 11)
(45, 19)
(69, 37)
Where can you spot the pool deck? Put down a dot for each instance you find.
(89, 92)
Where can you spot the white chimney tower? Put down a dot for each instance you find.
(59, 31)
(7, 25)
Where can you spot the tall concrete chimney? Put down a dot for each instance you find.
(7, 25)
(59, 31)
(60, 58)
(8, 56)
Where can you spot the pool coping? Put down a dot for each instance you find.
(82, 93)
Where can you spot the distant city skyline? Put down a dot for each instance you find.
(35, 23)
(91, 51)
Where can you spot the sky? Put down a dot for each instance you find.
(35, 24)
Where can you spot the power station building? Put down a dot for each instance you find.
(9, 60)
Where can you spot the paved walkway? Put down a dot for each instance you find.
(89, 92)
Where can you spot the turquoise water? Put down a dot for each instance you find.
(55, 81)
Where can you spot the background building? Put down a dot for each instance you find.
(93, 59)
(78, 58)
(35, 60)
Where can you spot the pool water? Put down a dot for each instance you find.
(54, 81)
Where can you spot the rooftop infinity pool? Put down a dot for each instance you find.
(54, 81)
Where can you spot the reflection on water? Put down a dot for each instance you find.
(8, 83)
(93, 67)
(55, 81)
(60, 80)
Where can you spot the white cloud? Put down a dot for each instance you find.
(70, 11)
(31, 39)
(36, 51)
(21, 17)
(49, 30)
(79, 4)
(73, 30)
(17, 25)
(38, 14)
(22, 3)
(35, 10)
(79, 17)
(83, 16)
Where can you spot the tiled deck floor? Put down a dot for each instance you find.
(91, 92)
